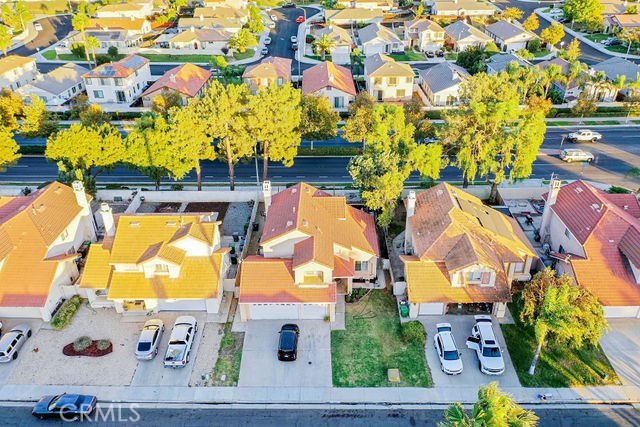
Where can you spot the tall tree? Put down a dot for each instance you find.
(92, 44)
(531, 23)
(588, 12)
(318, 120)
(163, 102)
(566, 313)
(23, 14)
(553, 33)
(80, 22)
(585, 105)
(84, 152)
(11, 107)
(37, 120)
(242, 40)
(324, 45)
(494, 408)
(359, 121)
(572, 52)
(356, 61)
(9, 149)
(5, 39)
(255, 24)
(552, 74)
(512, 13)
(414, 114)
(275, 123)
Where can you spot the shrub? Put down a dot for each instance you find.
(103, 59)
(177, 187)
(64, 315)
(356, 295)
(82, 343)
(617, 190)
(112, 51)
(78, 50)
(534, 45)
(103, 344)
(413, 331)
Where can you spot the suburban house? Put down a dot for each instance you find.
(460, 253)
(314, 246)
(17, 71)
(119, 39)
(237, 4)
(462, 36)
(342, 43)
(376, 38)
(499, 62)
(383, 5)
(423, 35)
(352, 16)
(212, 41)
(388, 80)
(151, 263)
(614, 68)
(615, 23)
(331, 81)
(188, 80)
(231, 25)
(40, 236)
(57, 86)
(461, 8)
(509, 37)
(441, 83)
(133, 26)
(241, 15)
(125, 10)
(270, 70)
(568, 93)
(119, 82)
(594, 236)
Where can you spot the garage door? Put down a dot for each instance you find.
(274, 311)
(182, 305)
(314, 311)
(431, 308)
(626, 311)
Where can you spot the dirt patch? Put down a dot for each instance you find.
(91, 351)
(220, 207)
(168, 207)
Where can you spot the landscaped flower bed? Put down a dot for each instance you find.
(85, 346)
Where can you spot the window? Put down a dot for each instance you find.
(89, 82)
(393, 80)
(73, 89)
(400, 93)
(377, 81)
(280, 81)
(118, 82)
(313, 276)
(64, 234)
(104, 82)
(362, 265)
(338, 102)
(567, 233)
(473, 276)
(519, 267)
(161, 269)
(98, 94)
(409, 79)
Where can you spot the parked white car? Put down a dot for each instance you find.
(445, 345)
(267, 41)
(181, 342)
(576, 155)
(149, 340)
(294, 39)
(483, 341)
(12, 342)
(584, 135)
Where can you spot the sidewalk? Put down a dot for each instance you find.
(320, 395)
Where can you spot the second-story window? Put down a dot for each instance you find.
(362, 265)
(118, 82)
(393, 80)
(161, 269)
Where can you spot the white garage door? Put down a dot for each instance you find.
(314, 311)
(626, 311)
(431, 308)
(274, 311)
(182, 305)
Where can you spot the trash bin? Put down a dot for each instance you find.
(404, 308)
(256, 226)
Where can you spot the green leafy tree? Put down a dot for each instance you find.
(534, 45)
(588, 12)
(572, 52)
(11, 107)
(356, 61)
(93, 115)
(420, 10)
(242, 40)
(113, 53)
(23, 14)
(631, 10)
(491, 136)
(9, 17)
(255, 24)
(552, 74)
(163, 102)
(275, 123)
(9, 149)
(531, 23)
(526, 79)
(92, 44)
(5, 39)
(323, 45)
(37, 121)
(512, 13)
(629, 35)
(494, 408)
(491, 49)
(359, 122)
(318, 120)
(414, 114)
(585, 105)
(472, 59)
(557, 309)
(553, 33)
(80, 22)
(84, 152)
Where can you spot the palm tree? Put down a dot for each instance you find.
(80, 22)
(552, 74)
(93, 44)
(356, 60)
(324, 45)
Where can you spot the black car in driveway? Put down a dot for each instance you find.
(66, 406)
(288, 344)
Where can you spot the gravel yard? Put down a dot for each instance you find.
(207, 354)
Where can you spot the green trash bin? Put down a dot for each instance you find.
(404, 310)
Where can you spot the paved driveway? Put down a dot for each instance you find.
(6, 369)
(471, 375)
(261, 367)
(622, 346)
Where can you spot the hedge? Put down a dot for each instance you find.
(64, 315)
(414, 331)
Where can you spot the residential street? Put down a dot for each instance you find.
(54, 29)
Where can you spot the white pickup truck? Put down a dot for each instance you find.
(181, 341)
(584, 135)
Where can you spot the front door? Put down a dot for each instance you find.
(120, 96)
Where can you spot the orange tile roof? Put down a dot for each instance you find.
(343, 267)
(428, 282)
(97, 270)
(29, 225)
(272, 66)
(327, 74)
(187, 79)
(120, 7)
(136, 24)
(271, 280)
(123, 68)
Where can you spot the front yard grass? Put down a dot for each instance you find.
(408, 56)
(163, 57)
(558, 366)
(246, 54)
(597, 37)
(372, 344)
(49, 54)
(229, 358)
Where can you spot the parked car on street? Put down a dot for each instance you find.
(440, 54)
(264, 51)
(445, 345)
(294, 46)
(575, 155)
(294, 39)
(483, 341)
(300, 19)
(289, 5)
(149, 339)
(12, 342)
(181, 342)
(584, 135)
(267, 41)
(430, 54)
(288, 342)
(37, 26)
(66, 406)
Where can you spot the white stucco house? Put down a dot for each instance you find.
(342, 43)
(461, 8)
(441, 83)
(509, 37)
(462, 36)
(424, 35)
(17, 71)
(119, 82)
(352, 16)
(376, 38)
(388, 80)
(125, 10)
(57, 86)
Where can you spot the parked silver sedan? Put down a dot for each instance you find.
(149, 339)
(12, 342)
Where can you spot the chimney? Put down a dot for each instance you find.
(81, 196)
(411, 203)
(107, 219)
(133, 18)
(172, 78)
(192, 28)
(331, 78)
(411, 210)
(202, 17)
(266, 195)
(554, 189)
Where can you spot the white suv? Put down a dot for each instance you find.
(484, 342)
(445, 344)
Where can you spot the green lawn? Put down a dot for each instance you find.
(408, 56)
(597, 37)
(229, 358)
(247, 54)
(541, 53)
(49, 54)
(559, 123)
(604, 122)
(163, 57)
(451, 56)
(558, 366)
(371, 344)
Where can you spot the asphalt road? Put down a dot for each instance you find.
(54, 28)
(616, 155)
(595, 416)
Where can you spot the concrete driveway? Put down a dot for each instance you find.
(622, 346)
(261, 367)
(6, 369)
(471, 375)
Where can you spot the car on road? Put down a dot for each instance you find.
(181, 342)
(430, 54)
(274, 18)
(440, 54)
(12, 342)
(294, 46)
(294, 39)
(445, 345)
(611, 42)
(300, 19)
(149, 340)
(576, 155)
(562, 20)
(584, 135)
(289, 5)
(267, 41)
(288, 342)
(483, 341)
(264, 51)
(66, 406)
(37, 26)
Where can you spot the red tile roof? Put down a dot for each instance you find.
(123, 68)
(187, 79)
(327, 74)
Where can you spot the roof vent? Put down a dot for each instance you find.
(439, 193)
(134, 224)
(171, 224)
(294, 190)
(578, 190)
(611, 241)
(625, 207)
(172, 78)
(289, 223)
(595, 206)
(306, 189)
